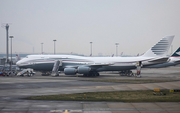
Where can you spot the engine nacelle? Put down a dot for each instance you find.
(70, 71)
(84, 70)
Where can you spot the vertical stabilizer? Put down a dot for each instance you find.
(176, 53)
(161, 48)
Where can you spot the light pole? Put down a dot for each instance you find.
(11, 52)
(54, 45)
(7, 49)
(171, 49)
(91, 48)
(41, 48)
(116, 49)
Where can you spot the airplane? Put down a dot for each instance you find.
(91, 66)
(121, 54)
(172, 61)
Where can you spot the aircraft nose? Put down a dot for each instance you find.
(18, 63)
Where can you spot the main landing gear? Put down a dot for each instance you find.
(91, 74)
(45, 73)
(126, 73)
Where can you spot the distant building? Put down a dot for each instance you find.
(2, 61)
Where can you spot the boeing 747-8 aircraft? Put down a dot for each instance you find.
(90, 66)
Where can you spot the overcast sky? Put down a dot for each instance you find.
(135, 24)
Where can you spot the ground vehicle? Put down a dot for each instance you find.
(26, 72)
(1, 74)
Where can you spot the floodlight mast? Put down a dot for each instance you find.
(54, 46)
(6, 25)
(42, 48)
(116, 49)
(7, 42)
(91, 48)
(11, 52)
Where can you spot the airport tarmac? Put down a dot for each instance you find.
(12, 89)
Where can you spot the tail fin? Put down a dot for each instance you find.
(161, 48)
(17, 57)
(121, 53)
(176, 53)
(112, 55)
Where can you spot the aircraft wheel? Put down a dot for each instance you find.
(94, 74)
(89, 74)
(84, 75)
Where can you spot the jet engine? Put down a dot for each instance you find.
(70, 71)
(84, 70)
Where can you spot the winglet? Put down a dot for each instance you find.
(161, 48)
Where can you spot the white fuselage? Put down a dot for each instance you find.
(40, 62)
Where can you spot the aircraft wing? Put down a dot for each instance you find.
(101, 64)
(178, 61)
(160, 60)
(95, 65)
